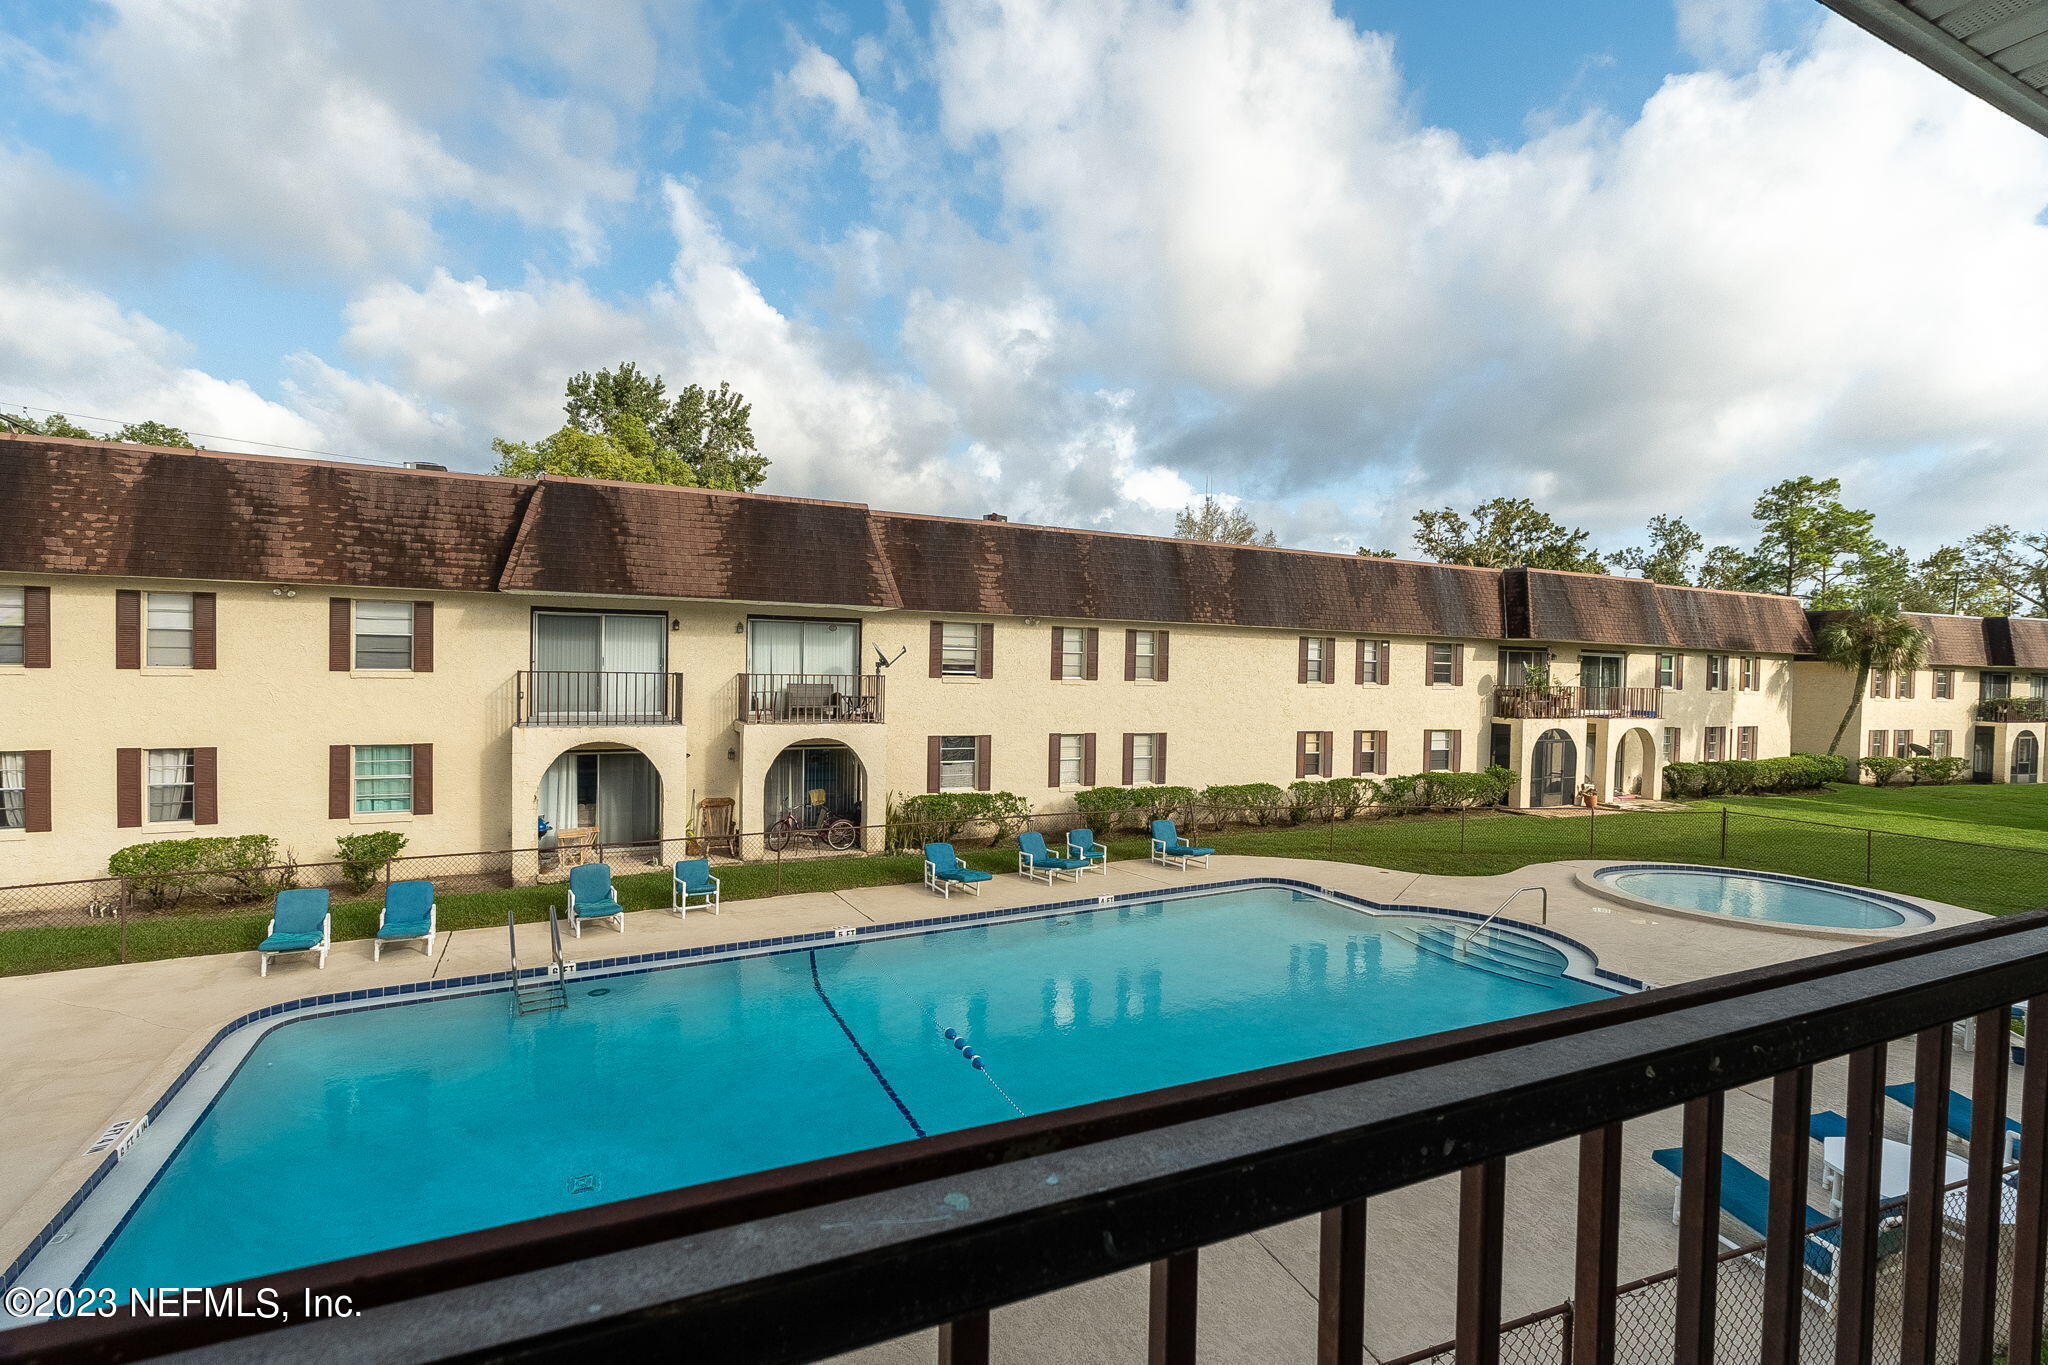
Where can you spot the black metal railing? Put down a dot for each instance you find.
(1995, 709)
(1530, 701)
(810, 698)
(547, 697)
(828, 1256)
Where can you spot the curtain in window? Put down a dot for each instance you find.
(383, 778)
(635, 653)
(170, 784)
(628, 799)
(558, 793)
(13, 791)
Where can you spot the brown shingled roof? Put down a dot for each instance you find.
(2029, 641)
(1575, 606)
(1005, 569)
(1951, 640)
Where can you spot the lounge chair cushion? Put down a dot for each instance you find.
(1960, 1111)
(289, 943)
(1033, 847)
(1746, 1197)
(1186, 851)
(406, 908)
(963, 874)
(695, 875)
(301, 911)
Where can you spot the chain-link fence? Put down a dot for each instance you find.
(91, 922)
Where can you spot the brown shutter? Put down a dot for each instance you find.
(206, 786)
(1425, 751)
(1130, 655)
(1326, 762)
(1457, 668)
(35, 796)
(128, 788)
(423, 637)
(931, 760)
(340, 626)
(1301, 753)
(35, 634)
(1677, 672)
(1160, 641)
(1052, 760)
(1130, 758)
(1457, 751)
(338, 775)
(1057, 633)
(128, 630)
(938, 660)
(1301, 661)
(1091, 650)
(1358, 666)
(205, 636)
(1386, 661)
(981, 764)
(1379, 752)
(1159, 759)
(422, 779)
(1428, 663)
(1088, 759)
(986, 663)
(1329, 659)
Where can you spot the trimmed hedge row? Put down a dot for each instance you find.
(1265, 803)
(1751, 776)
(1912, 771)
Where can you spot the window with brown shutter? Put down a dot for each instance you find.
(1301, 660)
(1906, 682)
(340, 776)
(1369, 755)
(1303, 752)
(340, 634)
(1878, 680)
(35, 627)
(206, 786)
(128, 631)
(35, 791)
(128, 787)
(422, 779)
(423, 637)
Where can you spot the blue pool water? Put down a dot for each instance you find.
(347, 1133)
(1742, 895)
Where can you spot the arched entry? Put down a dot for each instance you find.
(1553, 770)
(1635, 759)
(602, 794)
(2026, 757)
(813, 787)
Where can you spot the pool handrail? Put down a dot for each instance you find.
(1501, 909)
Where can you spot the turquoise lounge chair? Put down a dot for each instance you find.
(1960, 1113)
(1081, 844)
(1746, 1198)
(591, 897)
(299, 924)
(692, 877)
(1036, 861)
(1168, 848)
(1826, 1124)
(943, 872)
(408, 914)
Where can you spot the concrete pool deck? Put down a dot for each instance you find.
(93, 1046)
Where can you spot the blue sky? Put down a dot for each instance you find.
(1075, 261)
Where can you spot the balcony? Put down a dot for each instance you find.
(810, 698)
(557, 698)
(1527, 701)
(1996, 709)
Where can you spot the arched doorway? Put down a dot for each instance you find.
(815, 788)
(2026, 757)
(1635, 758)
(601, 794)
(1553, 770)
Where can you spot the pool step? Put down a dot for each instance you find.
(1487, 951)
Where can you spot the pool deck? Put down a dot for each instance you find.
(93, 1046)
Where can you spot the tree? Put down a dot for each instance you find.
(154, 433)
(56, 424)
(1948, 581)
(2013, 568)
(622, 422)
(1872, 635)
(1735, 569)
(1505, 533)
(1668, 556)
(1809, 537)
(1223, 523)
(1371, 553)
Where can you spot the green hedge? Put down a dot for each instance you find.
(1417, 792)
(362, 856)
(1115, 808)
(1750, 776)
(949, 817)
(237, 868)
(1914, 770)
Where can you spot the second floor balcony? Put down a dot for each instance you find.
(1534, 701)
(554, 697)
(810, 698)
(1996, 709)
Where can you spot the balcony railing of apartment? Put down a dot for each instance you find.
(558, 698)
(1530, 701)
(2013, 708)
(828, 1256)
(810, 698)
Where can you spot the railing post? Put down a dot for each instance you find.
(1481, 1219)
(1171, 1338)
(1856, 1258)
(1589, 1322)
(1699, 1229)
(1926, 1200)
(1340, 1289)
(2030, 1227)
(1785, 1230)
(1978, 1298)
(964, 1341)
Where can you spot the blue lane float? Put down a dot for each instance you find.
(975, 1060)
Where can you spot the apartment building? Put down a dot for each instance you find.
(199, 642)
(1981, 695)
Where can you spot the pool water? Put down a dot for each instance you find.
(347, 1133)
(1752, 896)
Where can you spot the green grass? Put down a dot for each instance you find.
(2001, 876)
(1996, 814)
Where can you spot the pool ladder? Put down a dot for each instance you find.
(531, 995)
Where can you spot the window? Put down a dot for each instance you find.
(1073, 651)
(1443, 666)
(958, 767)
(1752, 674)
(170, 783)
(1517, 666)
(1938, 743)
(1073, 770)
(1316, 659)
(1144, 760)
(13, 632)
(1369, 742)
(1880, 683)
(13, 791)
(169, 619)
(1439, 755)
(1944, 682)
(1904, 683)
(1144, 654)
(383, 778)
(1877, 743)
(2037, 686)
(1902, 743)
(383, 635)
(1372, 661)
(1715, 743)
(959, 651)
(1667, 673)
(1717, 672)
(1745, 742)
(1994, 686)
(1671, 742)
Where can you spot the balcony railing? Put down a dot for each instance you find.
(556, 698)
(828, 1256)
(810, 698)
(2013, 708)
(1528, 701)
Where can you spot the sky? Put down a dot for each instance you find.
(1075, 261)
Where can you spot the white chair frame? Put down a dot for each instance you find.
(618, 919)
(377, 944)
(679, 896)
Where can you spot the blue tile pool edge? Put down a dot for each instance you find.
(633, 964)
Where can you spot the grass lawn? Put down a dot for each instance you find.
(2000, 880)
(1997, 814)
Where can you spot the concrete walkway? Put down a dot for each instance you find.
(92, 1046)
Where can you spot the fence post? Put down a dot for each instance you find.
(778, 871)
(1724, 834)
(121, 921)
(1462, 811)
(1869, 848)
(1591, 813)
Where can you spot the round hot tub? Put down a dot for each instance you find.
(1763, 898)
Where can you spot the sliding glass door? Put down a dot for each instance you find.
(599, 666)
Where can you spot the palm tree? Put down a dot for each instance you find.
(1872, 636)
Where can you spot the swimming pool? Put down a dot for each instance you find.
(1764, 896)
(347, 1132)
